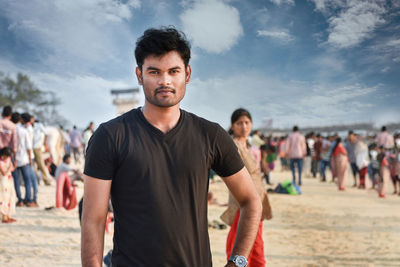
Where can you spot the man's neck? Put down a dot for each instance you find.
(162, 118)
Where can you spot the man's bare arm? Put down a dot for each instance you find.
(95, 205)
(243, 189)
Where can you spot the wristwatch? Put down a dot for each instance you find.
(238, 260)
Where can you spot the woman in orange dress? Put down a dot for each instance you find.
(241, 128)
(341, 162)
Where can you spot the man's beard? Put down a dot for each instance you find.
(162, 102)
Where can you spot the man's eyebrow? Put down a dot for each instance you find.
(154, 68)
(175, 68)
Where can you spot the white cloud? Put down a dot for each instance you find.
(355, 23)
(212, 25)
(326, 5)
(71, 33)
(262, 16)
(384, 52)
(282, 2)
(288, 102)
(329, 63)
(83, 98)
(281, 35)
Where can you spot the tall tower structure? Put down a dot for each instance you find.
(125, 99)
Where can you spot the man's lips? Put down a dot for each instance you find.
(165, 90)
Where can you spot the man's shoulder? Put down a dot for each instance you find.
(120, 122)
(201, 122)
(6, 123)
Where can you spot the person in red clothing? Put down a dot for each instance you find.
(383, 172)
(341, 162)
(240, 129)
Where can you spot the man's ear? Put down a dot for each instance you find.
(139, 76)
(188, 73)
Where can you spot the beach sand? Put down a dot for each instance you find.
(321, 227)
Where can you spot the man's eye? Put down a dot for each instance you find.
(153, 72)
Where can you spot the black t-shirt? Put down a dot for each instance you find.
(159, 186)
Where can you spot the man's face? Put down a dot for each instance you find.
(352, 138)
(164, 79)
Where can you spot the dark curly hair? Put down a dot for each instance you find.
(161, 41)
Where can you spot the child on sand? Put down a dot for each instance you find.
(7, 191)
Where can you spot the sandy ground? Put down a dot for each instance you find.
(322, 227)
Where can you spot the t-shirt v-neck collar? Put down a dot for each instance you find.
(157, 131)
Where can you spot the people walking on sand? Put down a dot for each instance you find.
(385, 139)
(8, 131)
(296, 151)
(332, 166)
(158, 182)
(23, 164)
(383, 172)
(325, 157)
(76, 144)
(26, 123)
(282, 154)
(39, 141)
(7, 190)
(53, 142)
(394, 165)
(317, 154)
(86, 136)
(350, 147)
(362, 160)
(307, 167)
(314, 162)
(374, 166)
(241, 124)
(256, 139)
(341, 162)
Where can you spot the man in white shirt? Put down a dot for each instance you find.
(23, 163)
(26, 122)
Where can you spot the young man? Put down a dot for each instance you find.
(296, 151)
(155, 162)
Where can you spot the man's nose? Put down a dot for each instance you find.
(164, 79)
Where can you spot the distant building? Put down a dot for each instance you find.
(125, 99)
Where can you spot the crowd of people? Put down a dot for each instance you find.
(145, 163)
(31, 153)
(376, 157)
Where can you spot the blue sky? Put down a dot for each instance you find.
(309, 62)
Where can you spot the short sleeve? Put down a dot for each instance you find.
(100, 155)
(28, 141)
(226, 158)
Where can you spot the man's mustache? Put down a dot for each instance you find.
(163, 88)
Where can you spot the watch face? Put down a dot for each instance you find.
(240, 261)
